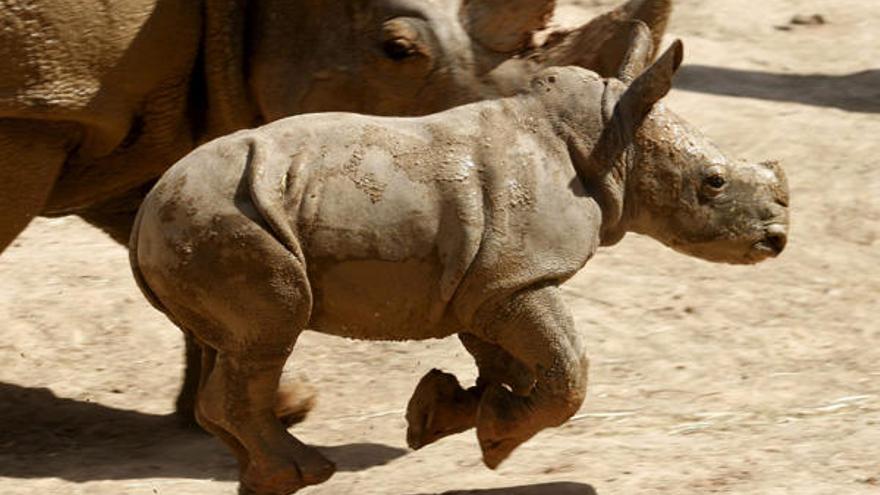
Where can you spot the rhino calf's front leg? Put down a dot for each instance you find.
(440, 406)
(535, 327)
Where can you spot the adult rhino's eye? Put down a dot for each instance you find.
(401, 39)
(399, 48)
(715, 181)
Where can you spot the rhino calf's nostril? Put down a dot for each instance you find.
(776, 238)
(778, 242)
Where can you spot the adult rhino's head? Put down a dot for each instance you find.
(654, 174)
(390, 57)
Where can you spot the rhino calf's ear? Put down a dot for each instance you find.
(653, 84)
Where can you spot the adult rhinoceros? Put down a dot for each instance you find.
(461, 222)
(98, 98)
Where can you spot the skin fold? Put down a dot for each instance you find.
(98, 99)
(461, 222)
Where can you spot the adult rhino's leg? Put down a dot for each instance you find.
(192, 374)
(31, 157)
(535, 327)
(440, 407)
(115, 215)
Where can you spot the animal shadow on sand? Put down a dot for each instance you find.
(856, 92)
(48, 436)
(559, 488)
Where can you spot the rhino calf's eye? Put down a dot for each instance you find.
(715, 181)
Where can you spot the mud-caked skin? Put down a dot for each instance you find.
(98, 98)
(464, 221)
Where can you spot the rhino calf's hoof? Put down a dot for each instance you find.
(310, 468)
(439, 407)
(502, 424)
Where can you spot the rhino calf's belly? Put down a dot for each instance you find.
(380, 300)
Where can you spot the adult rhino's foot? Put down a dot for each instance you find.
(439, 407)
(295, 399)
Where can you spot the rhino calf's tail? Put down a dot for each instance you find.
(267, 187)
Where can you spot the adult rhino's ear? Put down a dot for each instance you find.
(655, 14)
(600, 44)
(628, 52)
(652, 85)
(505, 26)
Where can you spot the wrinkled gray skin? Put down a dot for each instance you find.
(465, 222)
(97, 98)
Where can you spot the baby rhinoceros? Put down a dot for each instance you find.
(465, 221)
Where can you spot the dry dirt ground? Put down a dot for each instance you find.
(705, 378)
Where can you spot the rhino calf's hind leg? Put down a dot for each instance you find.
(238, 397)
(208, 357)
(238, 392)
(440, 407)
(294, 400)
(535, 327)
(246, 309)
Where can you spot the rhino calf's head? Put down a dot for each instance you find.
(656, 175)
(696, 200)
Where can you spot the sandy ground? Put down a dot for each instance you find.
(705, 378)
